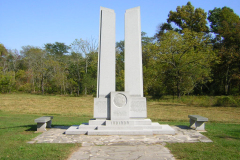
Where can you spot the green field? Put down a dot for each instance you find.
(18, 111)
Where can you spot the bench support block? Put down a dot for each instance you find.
(192, 124)
(49, 123)
(41, 127)
(197, 125)
(43, 122)
(197, 122)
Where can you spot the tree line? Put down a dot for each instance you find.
(185, 57)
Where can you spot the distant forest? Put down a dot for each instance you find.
(192, 53)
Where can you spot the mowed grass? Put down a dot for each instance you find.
(225, 146)
(18, 111)
(17, 129)
(47, 105)
(83, 106)
(168, 111)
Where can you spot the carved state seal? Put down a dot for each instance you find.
(120, 100)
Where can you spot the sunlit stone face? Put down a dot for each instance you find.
(120, 100)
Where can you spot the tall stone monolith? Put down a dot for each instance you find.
(106, 63)
(133, 53)
(133, 63)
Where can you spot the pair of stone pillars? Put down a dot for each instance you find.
(111, 105)
(120, 112)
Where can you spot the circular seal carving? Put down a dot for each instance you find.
(120, 100)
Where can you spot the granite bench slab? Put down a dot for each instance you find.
(197, 122)
(43, 122)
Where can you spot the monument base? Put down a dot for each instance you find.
(121, 127)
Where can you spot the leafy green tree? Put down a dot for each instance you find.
(188, 17)
(56, 49)
(225, 24)
(182, 62)
(90, 76)
(120, 66)
(8, 59)
(185, 17)
(76, 70)
(7, 81)
(35, 58)
(3, 50)
(152, 77)
(88, 50)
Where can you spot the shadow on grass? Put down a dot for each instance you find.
(228, 137)
(30, 127)
(60, 126)
(168, 104)
(183, 127)
(34, 127)
(233, 134)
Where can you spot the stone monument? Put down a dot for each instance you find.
(120, 112)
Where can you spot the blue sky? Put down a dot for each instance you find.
(36, 22)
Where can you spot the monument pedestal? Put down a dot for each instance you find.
(123, 108)
(113, 127)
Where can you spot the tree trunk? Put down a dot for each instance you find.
(33, 86)
(227, 81)
(178, 85)
(86, 75)
(78, 90)
(42, 84)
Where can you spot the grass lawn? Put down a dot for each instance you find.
(17, 129)
(17, 126)
(225, 146)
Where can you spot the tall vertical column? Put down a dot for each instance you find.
(106, 63)
(106, 53)
(133, 53)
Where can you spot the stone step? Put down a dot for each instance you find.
(154, 128)
(130, 122)
(97, 122)
(140, 127)
(87, 127)
(166, 129)
(75, 130)
(120, 132)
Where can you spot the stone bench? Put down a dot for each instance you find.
(43, 122)
(197, 122)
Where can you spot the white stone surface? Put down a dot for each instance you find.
(97, 122)
(106, 63)
(120, 132)
(87, 127)
(122, 127)
(198, 118)
(138, 107)
(197, 122)
(166, 129)
(200, 126)
(130, 122)
(75, 130)
(43, 122)
(119, 105)
(101, 108)
(106, 53)
(41, 127)
(133, 53)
